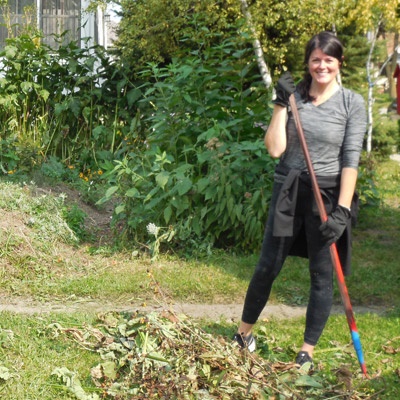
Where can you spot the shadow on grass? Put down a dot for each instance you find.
(375, 277)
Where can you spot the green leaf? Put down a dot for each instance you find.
(196, 226)
(202, 183)
(132, 192)
(11, 51)
(307, 380)
(230, 204)
(162, 179)
(110, 191)
(59, 108)
(211, 192)
(99, 131)
(184, 186)
(157, 357)
(151, 194)
(181, 204)
(238, 209)
(26, 86)
(167, 214)
(44, 94)
(228, 190)
(133, 95)
(187, 98)
(119, 209)
(74, 104)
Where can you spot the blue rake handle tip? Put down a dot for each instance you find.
(357, 346)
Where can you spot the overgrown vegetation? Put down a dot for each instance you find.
(57, 103)
(202, 170)
(177, 145)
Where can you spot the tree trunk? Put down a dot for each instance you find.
(339, 76)
(391, 68)
(263, 67)
(371, 89)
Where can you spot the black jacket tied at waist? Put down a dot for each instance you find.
(286, 208)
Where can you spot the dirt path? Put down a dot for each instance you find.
(229, 312)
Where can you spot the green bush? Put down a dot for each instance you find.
(202, 170)
(366, 183)
(385, 135)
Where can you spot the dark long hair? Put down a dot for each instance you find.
(329, 44)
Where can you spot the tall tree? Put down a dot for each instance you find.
(158, 30)
(374, 17)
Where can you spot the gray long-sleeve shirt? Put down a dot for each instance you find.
(334, 132)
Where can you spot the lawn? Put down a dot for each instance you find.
(55, 344)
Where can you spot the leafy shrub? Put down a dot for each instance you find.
(54, 169)
(366, 186)
(226, 206)
(385, 135)
(202, 168)
(9, 159)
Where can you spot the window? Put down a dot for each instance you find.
(55, 18)
(59, 16)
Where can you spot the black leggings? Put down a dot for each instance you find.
(273, 254)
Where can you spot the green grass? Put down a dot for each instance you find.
(41, 262)
(32, 347)
(30, 352)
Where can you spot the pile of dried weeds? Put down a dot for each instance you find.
(167, 356)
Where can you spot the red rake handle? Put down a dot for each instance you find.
(333, 249)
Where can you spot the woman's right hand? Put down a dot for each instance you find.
(283, 89)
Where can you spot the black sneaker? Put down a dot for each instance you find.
(245, 342)
(302, 358)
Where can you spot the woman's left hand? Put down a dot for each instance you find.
(337, 221)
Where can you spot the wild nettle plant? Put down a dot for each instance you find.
(71, 103)
(203, 168)
(22, 98)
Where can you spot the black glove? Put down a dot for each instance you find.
(335, 225)
(284, 88)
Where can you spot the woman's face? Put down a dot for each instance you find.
(323, 68)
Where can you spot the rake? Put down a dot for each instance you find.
(333, 249)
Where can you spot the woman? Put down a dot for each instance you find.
(334, 123)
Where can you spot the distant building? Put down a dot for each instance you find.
(54, 17)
